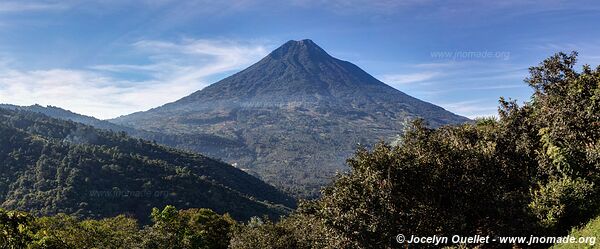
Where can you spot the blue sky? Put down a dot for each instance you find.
(107, 58)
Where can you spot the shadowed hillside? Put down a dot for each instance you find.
(51, 166)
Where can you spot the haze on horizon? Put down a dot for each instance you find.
(111, 58)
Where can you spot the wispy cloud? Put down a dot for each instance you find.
(444, 9)
(353, 6)
(81, 91)
(409, 78)
(176, 70)
(589, 52)
(438, 65)
(472, 108)
(190, 60)
(449, 83)
(24, 5)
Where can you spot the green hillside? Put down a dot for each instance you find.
(51, 166)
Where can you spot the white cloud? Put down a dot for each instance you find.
(437, 65)
(471, 108)
(496, 87)
(401, 79)
(221, 55)
(176, 70)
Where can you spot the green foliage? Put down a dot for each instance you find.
(562, 201)
(51, 166)
(436, 183)
(591, 229)
(15, 229)
(299, 231)
(62, 231)
(185, 229)
(192, 228)
(566, 112)
(265, 234)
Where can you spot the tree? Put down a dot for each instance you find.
(63, 231)
(191, 228)
(15, 229)
(566, 113)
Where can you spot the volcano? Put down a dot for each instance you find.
(292, 118)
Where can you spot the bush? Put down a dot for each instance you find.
(562, 203)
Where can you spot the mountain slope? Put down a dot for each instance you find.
(298, 113)
(199, 142)
(59, 113)
(50, 166)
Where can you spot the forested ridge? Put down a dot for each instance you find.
(52, 166)
(207, 144)
(533, 170)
